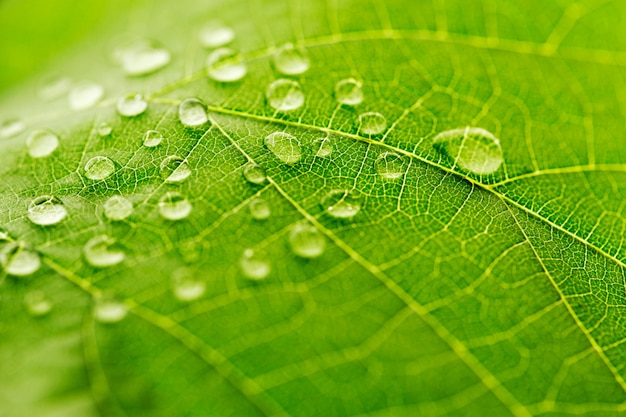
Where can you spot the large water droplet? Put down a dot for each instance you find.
(109, 311)
(117, 208)
(186, 286)
(11, 127)
(100, 252)
(215, 34)
(85, 94)
(104, 129)
(259, 209)
(349, 92)
(291, 60)
(131, 105)
(254, 173)
(18, 260)
(306, 241)
(324, 147)
(41, 143)
(285, 95)
(99, 168)
(174, 169)
(253, 266)
(390, 165)
(152, 138)
(372, 123)
(37, 304)
(192, 112)
(472, 148)
(142, 57)
(174, 206)
(342, 204)
(46, 210)
(284, 146)
(226, 65)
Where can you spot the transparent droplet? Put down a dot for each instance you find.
(99, 168)
(291, 60)
(285, 95)
(174, 206)
(118, 208)
(259, 209)
(131, 105)
(109, 311)
(4, 234)
(142, 57)
(18, 260)
(254, 173)
(390, 165)
(324, 147)
(11, 127)
(226, 65)
(174, 169)
(54, 88)
(192, 112)
(472, 148)
(152, 138)
(342, 204)
(37, 304)
(104, 129)
(186, 286)
(215, 34)
(284, 146)
(46, 210)
(253, 266)
(372, 123)
(85, 94)
(41, 143)
(101, 252)
(306, 241)
(349, 92)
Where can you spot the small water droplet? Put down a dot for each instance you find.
(306, 241)
(259, 208)
(54, 88)
(192, 112)
(37, 304)
(18, 260)
(372, 123)
(254, 173)
(291, 60)
(11, 127)
(4, 234)
(109, 311)
(324, 147)
(285, 95)
(174, 169)
(46, 210)
(131, 105)
(226, 65)
(104, 129)
(472, 148)
(100, 252)
(253, 266)
(390, 165)
(215, 33)
(342, 204)
(99, 168)
(152, 138)
(349, 92)
(41, 143)
(185, 286)
(85, 94)
(284, 146)
(174, 206)
(142, 57)
(117, 208)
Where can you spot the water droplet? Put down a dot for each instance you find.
(174, 169)
(284, 146)
(259, 209)
(18, 260)
(4, 234)
(174, 206)
(85, 94)
(54, 88)
(285, 95)
(118, 208)
(253, 266)
(131, 105)
(291, 60)
(342, 204)
(100, 252)
(142, 57)
(152, 138)
(226, 65)
(324, 147)
(109, 311)
(472, 148)
(104, 129)
(46, 210)
(185, 286)
(372, 123)
(11, 127)
(37, 304)
(192, 112)
(390, 165)
(254, 173)
(306, 241)
(349, 92)
(215, 34)
(99, 168)
(41, 143)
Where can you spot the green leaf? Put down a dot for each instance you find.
(499, 292)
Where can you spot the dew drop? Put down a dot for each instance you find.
(152, 138)
(100, 252)
(253, 266)
(174, 206)
(291, 60)
(4, 234)
(285, 95)
(41, 143)
(284, 146)
(192, 112)
(174, 169)
(226, 65)
(18, 260)
(389, 165)
(215, 34)
(324, 147)
(85, 94)
(117, 208)
(37, 304)
(472, 148)
(46, 210)
(372, 123)
(259, 209)
(54, 88)
(131, 105)
(142, 57)
(185, 286)
(349, 92)
(109, 311)
(11, 127)
(342, 204)
(99, 168)
(254, 173)
(104, 129)
(306, 241)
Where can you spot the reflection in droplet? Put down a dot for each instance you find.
(285, 95)
(349, 92)
(215, 34)
(372, 123)
(254, 173)
(259, 209)
(472, 148)
(117, 208)
(192, 112)
(226, 65)
(131, 105)
(16, 259)
(306, 241)
(85, 94)
(174, 206)
(152, 138)
(142, 57)
(253, 266)
(41, 143)
(174, 169)
(186, 286)
(291, 60)
(390, 165)
(46, 210)
(37, 304)
(101, 252)
(99, 168)
(284, 146)
(342, 204)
